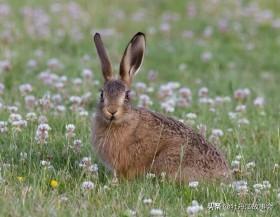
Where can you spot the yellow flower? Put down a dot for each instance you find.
(20, 178)
(53, 183)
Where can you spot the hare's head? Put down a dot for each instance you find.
(114, 103)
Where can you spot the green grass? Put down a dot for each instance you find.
(232, 66)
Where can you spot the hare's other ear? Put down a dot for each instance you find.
(103, 56)
(132, 58)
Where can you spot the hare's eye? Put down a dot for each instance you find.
(101, 96)
(127, 95)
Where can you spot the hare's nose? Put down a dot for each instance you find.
(113, 112)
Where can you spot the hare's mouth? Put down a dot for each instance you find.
(111, 118)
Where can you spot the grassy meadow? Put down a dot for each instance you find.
(212, 64)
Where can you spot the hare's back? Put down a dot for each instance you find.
(173, 135)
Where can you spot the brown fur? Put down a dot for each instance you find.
(134, 141)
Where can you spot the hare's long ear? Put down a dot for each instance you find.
(132, 58)
(103, 56)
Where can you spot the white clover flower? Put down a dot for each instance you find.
(259, 102)
(47, 77)
(247, 91)
(227, 99)
(203, 92)
(86, 97)
(31, 64)
(70, 128)
(75, 99)
(5, 65)
(87, 74)
(185, 92)
(240, 108)
(191, 116)
(31, 116)
(12, 109)
(140, 87)
(206, 56)
(168, 105)
(130, 213)
(235, 164)
(54, 63)
(266, 185)
(144, 101)
(217, 132)
(218, 100)
(45, 102)
(165, 91)
(183, 102)
(59, 85)
(14, 117)
(77, 143)
(193, 184)
(3, 126)
(17, 125)
(87, 185)
(208, 31)
(25, 88)
(243, 121)
(182, 66)
(241, 94)
(30, 101)
(56, 98)
(5, 10)
(77, 81)
(76, 102)
(60, 109)
(63, 199)
(152, 75)
(2, 88)
(240, 186)
(93, 168)
(83, 113)
(232, 115)
(42, 119)
(150, 175)
(156, 212)
(42, 133)
(250, 165)
(1, 106)
(194, 209)
(258, 188)
(147, 201)
(207, 101)
(187, 34)
(230, 130)
(23, 156)
(165, 27)
(45, 163)
(85, 162)
(238, 157)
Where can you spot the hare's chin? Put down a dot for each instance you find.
(115, 119)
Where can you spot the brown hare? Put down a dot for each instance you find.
(133, 141)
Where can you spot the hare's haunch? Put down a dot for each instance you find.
(133, 141)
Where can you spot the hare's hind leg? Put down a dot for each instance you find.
(187, 168)
(174, 165)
